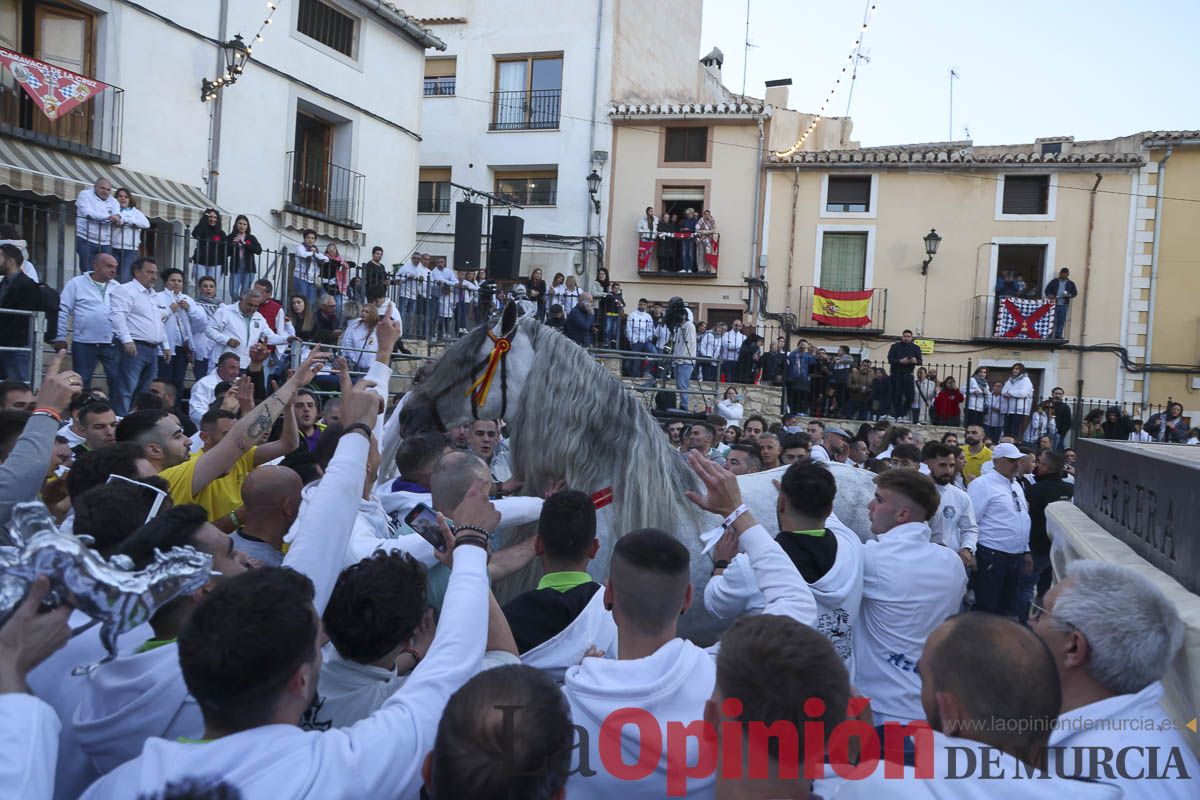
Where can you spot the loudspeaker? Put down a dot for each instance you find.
(468, 235)
(504, 253)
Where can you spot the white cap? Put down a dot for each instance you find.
(1006, 450)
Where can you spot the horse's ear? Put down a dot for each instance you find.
(508, 322)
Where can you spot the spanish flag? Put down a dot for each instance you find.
(842, 309)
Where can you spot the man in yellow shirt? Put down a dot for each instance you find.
(232, 454)
(976, 454)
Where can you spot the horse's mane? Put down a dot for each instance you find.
(576, 421)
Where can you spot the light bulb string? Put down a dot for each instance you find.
(231, 74)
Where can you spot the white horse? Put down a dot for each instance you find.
(570, 418)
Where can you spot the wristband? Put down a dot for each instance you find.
(737, 512)
(359, 426)
(472, 539)
(416, 656)
(722, 564)
(49, 412)
(460, 528)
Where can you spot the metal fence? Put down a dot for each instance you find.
(92, 128)
(324, 189)
(537, 109)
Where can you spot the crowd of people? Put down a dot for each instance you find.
(335, 651)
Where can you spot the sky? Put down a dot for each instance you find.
(1092, 70)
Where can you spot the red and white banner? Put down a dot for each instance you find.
(55, 90)
(645, 250)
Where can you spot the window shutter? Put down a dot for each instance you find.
(1026, 194)
(440, 67)
(848, 193)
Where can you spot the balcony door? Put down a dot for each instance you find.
(310, 166)
(63, 38)
(528, 91)
(844, 262)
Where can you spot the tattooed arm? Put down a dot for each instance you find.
(252, 428)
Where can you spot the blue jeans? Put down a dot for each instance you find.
(16, 365)
(87, 252)
(1029, 583)
(203, 271)
(683, 377)
(1060, 319)
(136, 373)
(240, 283)
(407, 306)
(305, 289)
(125, 259)
(176, 370)
(85, 356)
(633, 366)
(998, 581)
(688, 248)
(612, 330)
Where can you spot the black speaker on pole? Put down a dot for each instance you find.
(504, 254)
(468, 235)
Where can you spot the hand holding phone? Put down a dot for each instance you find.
(424, 520)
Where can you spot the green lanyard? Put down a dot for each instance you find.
(820, 532)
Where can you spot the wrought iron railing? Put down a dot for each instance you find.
(440, 87)
(433, 205)
(1006, 318)
(679, 254)
(324, 190)
(525, 110)
(834, 313)
(92, 128)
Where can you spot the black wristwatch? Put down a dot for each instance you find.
(722, 564)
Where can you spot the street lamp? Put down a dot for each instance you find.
(932, 240)
(593, 184)
(236, 54)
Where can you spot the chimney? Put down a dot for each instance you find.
(777, 92)
(713, 61)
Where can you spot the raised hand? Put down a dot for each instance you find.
(723, 493)
(359, 405)
(58, 388)
(311, 365)
(387, 333)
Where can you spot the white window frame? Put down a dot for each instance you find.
(874, 201)
(354, 61)
(1051, 202)
(868, 268)
(1048, 266)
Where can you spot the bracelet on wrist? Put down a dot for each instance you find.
(737, 512)
(456, 530)
(412, 652)
(474, 540)
(48, 412)
(359, 426)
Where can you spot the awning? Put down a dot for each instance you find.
(328, 230)
(30, 168)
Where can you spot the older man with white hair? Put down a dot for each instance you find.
(1113, 634)
(236, 327)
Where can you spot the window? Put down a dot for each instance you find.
(1026, 263)
(528, 93)
(849, 194)
(1026, 194)
(433, 191)
(529, 187)
(440, 76)
(678, 199)
(1051, 148)
(844, 262)
(686, 144)
(327, 25)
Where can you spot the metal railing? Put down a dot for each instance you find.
(1009, 318)
(22, 361)
(440, 87)
(328, 191)
(537, 109)
(528, 197)
(680, 254)
(433, 205)
(835, 316)
(92, 128)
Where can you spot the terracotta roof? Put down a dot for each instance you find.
(907, 154)
(666, 109)
(1167, 137)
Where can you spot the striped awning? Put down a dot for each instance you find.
(30, 168)
(324, 229)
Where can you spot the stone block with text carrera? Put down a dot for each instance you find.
(1148, 496)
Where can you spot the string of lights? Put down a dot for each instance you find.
(237, 54)
(812, 126)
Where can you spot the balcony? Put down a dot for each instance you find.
(839, 314)
(91, 129)
(662, 255)
(324, 191)
(1016, 320)
(433, 205)
(525, 110)
(440, 87)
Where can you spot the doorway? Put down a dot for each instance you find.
(311, 161)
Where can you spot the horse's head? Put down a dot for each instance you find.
(179, 571)
(480, 377)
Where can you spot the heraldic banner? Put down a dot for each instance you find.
(1024, 319)
(842, 309)
(55, 90)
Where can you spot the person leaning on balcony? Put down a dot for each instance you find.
(1061, 290)
(648, 225)
(209, 255)
(688, 245)
(307, 272)
(706, 228)
(668, 247)
(127, 237)
(17, 291)
(96, 211)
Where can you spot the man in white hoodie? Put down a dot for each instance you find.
(910, 586)
(990, 695)
(954, 523)
(1113, 634)
(556, 623)
(141, 694)
(657, 678)
(828, 555)
(251, 653)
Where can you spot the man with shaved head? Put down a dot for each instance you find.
(270, 503)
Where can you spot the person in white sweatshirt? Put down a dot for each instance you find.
(1113, 634)
(28, 726)
(954, 523)
(556, 623)
(989, 692)
(1016, 399)
(668, 678)
(236, 327)
(141, 694)
(251, 656)
(204, 391)
(827, 554)
(910, 585)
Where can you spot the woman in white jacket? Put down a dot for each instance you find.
(977, 397)
(730, 409)
(1017, 396)
(184, 321)
(127, 236)
(1041, 423)
(358, 342)
(648, 225)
